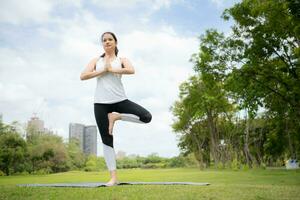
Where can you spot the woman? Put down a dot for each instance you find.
(110, 102)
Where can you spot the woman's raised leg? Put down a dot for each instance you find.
(128, 111)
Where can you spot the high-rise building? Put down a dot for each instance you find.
(86, 135)
(76, 131)
(90, 140)
(36, 126)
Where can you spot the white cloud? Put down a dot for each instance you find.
(17, 12)
(142, 9)
(153, 4)
(28, 11)
(157, 4)
(46, 80)
(116, 3)
(161, 61)
(219, 3)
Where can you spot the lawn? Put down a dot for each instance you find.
(225, 184)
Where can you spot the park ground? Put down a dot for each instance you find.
(253, 184)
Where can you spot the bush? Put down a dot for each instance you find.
(220, 166)
(177, 161)
(127, 163)
(245, 167)
(235, 164)
(101, 163)
(43, 171)
(154, 165)
(153, 158)
(24, 173)
(89, 169)
(190, 161)
(2, 173)
(13, 152)
(149, 166)
(90, 165)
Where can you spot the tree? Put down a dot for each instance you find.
(76, 156)
(201, 105)
(91, 163)
(255, 70)
(48, 152)
(266, 45)
(203, 98)
(13, 150)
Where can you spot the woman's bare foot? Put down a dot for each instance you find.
(112, 182)
(113, 179)
(112, 117)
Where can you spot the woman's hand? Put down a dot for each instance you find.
(127, 68)
(90, 70)
(107, 65)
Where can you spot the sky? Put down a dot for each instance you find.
(45, 45)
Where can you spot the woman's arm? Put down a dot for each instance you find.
(127, 69)
(90, 72)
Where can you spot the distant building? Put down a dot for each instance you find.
(90, 140)
(36, 126)
(86, 135)
(76, 131)
(121, 155)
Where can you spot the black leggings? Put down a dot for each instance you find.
(101, 111)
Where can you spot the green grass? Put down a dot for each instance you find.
(225, 184)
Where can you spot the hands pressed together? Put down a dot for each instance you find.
(107, 66)
(91, 72)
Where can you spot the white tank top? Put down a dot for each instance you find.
(109, 87)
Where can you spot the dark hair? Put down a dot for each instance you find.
(115, 38)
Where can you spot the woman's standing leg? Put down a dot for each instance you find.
(101, 114)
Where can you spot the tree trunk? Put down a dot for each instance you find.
(213, 137)
(198, 154)
(291, 146)
(249, 157)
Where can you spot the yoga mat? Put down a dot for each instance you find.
(100, 184)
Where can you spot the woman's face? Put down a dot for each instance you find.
(108, 42)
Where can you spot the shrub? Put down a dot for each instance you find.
(235, 164)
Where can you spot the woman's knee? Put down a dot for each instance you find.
(108, 140)
(146, 118)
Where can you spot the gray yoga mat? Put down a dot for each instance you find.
(93, 185)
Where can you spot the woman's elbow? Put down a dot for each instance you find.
(132, 71)
(128, 71)
(82, 77)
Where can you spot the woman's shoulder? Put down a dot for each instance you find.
(95, 59)
(98, 58)
(123, 58)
